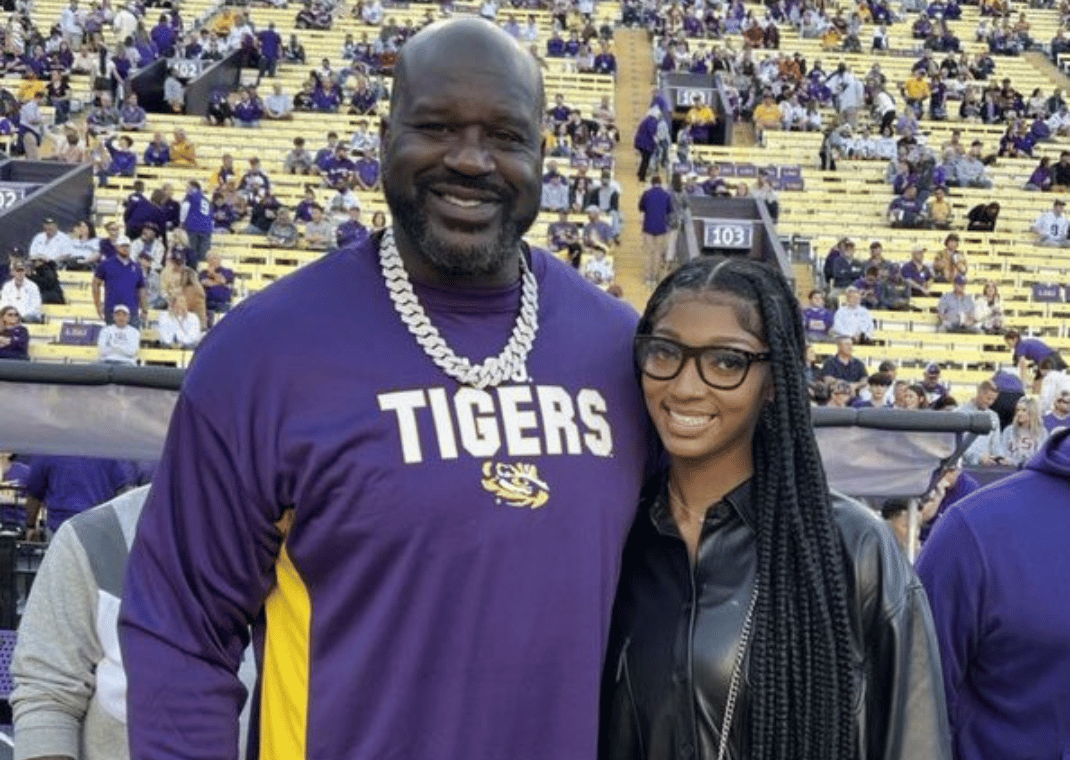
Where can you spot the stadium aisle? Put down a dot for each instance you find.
(635, 77)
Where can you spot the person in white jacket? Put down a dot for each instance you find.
(70, 688)
(178, 326)
(119, 342)
(69, 698)
(22, 293)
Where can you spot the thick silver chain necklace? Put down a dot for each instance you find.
(510, 364)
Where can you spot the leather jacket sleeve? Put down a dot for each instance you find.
(902, 710)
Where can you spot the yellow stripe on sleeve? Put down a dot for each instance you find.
(284, 694)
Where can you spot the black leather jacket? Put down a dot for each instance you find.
(675, 634)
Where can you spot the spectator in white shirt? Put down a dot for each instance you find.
(1051, 226)
(598, 268)
(119, 342)
(792, 114)
(178, 326)
(372, 13)
(22, 293)
(278, 105)
(50, 243)
(149, 243)
(555, 193)
(70, 24)
(852, 320)
(33, 123)
(124, 23)
(363, 139)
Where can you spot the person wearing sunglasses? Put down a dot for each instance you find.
(758, 615)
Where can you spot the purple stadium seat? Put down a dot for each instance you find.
(1047, 292)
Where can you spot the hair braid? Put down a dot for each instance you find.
(800, 662)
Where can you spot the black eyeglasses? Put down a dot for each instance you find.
(719, 367)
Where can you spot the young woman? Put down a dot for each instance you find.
(1024, 436)
(913, 398)
(758, 616)
(988, 309)
(14, 337)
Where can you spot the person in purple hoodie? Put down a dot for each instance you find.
(995, 568)
(426, 544)
(164, 36)
(123, 161)
(646, 141)
(270, 44)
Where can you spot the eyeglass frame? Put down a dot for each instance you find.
(695, 352)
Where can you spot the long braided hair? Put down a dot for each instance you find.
(801, 653)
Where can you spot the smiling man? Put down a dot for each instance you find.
(421, 509)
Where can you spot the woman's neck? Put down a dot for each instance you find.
(701, 484)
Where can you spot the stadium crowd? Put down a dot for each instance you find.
(158, 280)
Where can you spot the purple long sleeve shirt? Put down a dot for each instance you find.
(444, 590)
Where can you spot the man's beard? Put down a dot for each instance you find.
(450, 259)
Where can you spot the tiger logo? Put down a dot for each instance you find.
(515, 485)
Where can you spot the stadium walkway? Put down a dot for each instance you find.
(635, 77)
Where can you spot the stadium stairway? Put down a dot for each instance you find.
(635, 77)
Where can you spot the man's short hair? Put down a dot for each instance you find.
(880, 378)
(985, 386)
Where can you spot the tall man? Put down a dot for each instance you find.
(433, 540)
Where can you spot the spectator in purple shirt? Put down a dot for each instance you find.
(605, 62)
(122, 282)
(907, 210)
(366, 171)
(364, 99)
(555, 46)
(326, 96)
(163, 36)
(916, 273)
(157, 153)
(123, 161)
(137, 209)
(646, 140)
(14, 338)
(270, 44)
(655, 204)
(560, 112)
(338, 171)
(218, 283)
(817, 319)
(69, 485)
(132, 117)
(247, 111)
(1031, 351)
(351, 232)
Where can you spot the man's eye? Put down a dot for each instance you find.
(433, 128)
(507, 136)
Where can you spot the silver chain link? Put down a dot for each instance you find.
(737, 674)
(510, 364)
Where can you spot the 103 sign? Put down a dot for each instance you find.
(728, 234)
